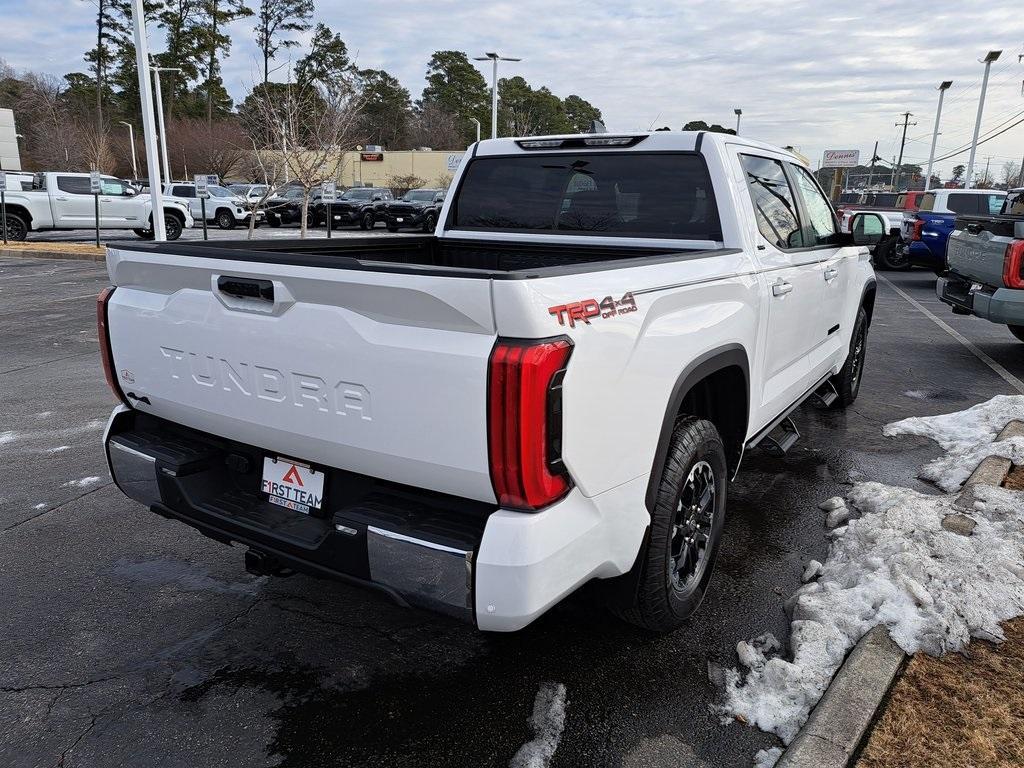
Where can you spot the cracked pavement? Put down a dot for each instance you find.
(131, 640)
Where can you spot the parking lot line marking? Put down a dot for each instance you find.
(1008, 377)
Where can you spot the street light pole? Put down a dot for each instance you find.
(160, 118)
(148, 128)
(989, 58)
(943, 87)
(739, 114)
(495, 58)
(477, 123)
(131, 141)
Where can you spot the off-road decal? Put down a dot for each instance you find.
(585, 309)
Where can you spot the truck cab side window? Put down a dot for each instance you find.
(774, 206)
(183, 191)
(74, 185)
(822, 221)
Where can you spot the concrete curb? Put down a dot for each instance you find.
(833, 732)
(20, 253)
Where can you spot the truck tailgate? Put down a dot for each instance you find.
(977, 255)
(378, 373)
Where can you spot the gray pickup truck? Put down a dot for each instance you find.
(985, 255)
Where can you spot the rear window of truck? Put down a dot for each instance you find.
(657, 195)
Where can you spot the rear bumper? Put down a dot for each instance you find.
(1000, 305)
(921, 255)
(496, 568)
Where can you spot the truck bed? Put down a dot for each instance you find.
(424, 255)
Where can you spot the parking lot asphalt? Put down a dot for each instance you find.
(131, 640)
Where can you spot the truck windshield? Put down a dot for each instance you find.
(630, 194)
(419, 195)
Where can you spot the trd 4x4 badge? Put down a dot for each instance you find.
(583, 310)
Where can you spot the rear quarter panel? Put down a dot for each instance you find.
(624, 367)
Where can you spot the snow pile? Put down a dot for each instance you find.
(766, 758)
(547, 723)
(967, 437)
(898, 566)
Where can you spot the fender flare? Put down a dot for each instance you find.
(703, 366)
(870, 286)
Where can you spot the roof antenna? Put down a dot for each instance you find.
(596, 126)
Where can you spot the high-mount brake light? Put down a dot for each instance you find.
(525, 421)
(609, 141)
(540, 143)
(106, 356)
(1013, 265)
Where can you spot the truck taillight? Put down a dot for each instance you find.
(918, 226)
(525, 421)
(104, 334)
(1013, 264)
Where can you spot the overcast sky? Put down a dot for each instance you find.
(817, 75)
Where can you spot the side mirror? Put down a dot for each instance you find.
(130, 191)
(439, 199)
(867, 228)
(378, 197)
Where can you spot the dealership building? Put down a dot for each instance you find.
(10, 159)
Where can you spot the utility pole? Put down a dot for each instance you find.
(148, 120)
(874, 159)
(739, 114)
(899, 163)
(988, 164)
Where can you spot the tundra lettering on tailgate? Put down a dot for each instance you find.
(588, 308)
(344, 398)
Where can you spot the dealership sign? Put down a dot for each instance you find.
(371, 157)
(840, 158)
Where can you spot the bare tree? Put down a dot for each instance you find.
(313, 125)
(217, 147)
(95, 148)
(432, 126)
(51, 132)
(1011, 173)
(399, 184)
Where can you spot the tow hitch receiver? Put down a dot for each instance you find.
(261, 564)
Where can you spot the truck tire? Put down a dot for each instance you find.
(225, 219)
(1017, 330)
(17, 229)
(173, 227)
(367, 221)
(689, 512)
(847, 381)
(888, 257)
(273, 220)
(429, 222)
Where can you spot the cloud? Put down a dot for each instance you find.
(804, 72)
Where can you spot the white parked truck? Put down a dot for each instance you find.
(64, 201)
(223, 207)
(554, 387)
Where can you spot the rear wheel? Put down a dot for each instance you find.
(847, 381)
(686, 529)
(887, 255)
(172, 227)
(225, 219)
(1017, 330)
(17, 229)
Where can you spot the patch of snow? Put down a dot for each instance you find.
(766, 758)
(811, 571)
(916, 394)
(40, 506)
(838, 516)
(85, 482)
(967, 437)
(836, 502)
(894, 565)
(44, 414)
(8, 437)
(547, 723)
(59, 449)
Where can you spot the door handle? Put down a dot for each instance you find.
(61, 199)
(781, 288)
(831, 273)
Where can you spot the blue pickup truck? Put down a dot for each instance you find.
(926, 232)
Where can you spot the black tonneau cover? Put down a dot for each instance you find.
(427, 255)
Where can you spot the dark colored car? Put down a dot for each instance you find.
(359, 207)
(416, 208)
(285, 207)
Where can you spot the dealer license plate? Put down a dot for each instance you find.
(292, 484)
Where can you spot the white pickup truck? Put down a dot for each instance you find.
(64, 201)
(554, 387)
(224, 207)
